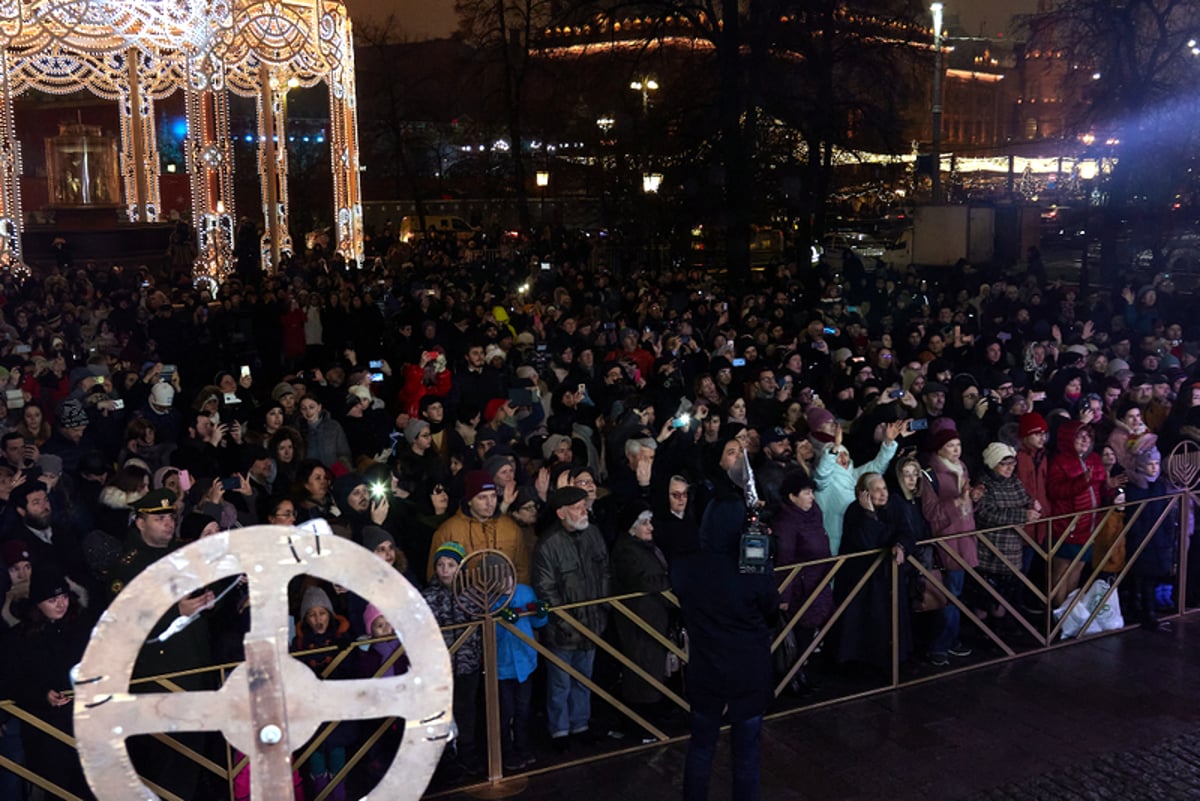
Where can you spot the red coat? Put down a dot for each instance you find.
(293, 332)
(1074, 484)
(1032, 470)
(415, 387)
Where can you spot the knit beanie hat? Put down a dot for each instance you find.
(313, 597)
(374, 536)
(1144, 457)
(414, 429)
(942, 437)
(47, 582)
(14, 552)
(997, 452)
(451, 549)
(1032, 423)
(492, 408)
(478, 481)
(193, 524)
(369, 615)
(281, 389)
(817, 417)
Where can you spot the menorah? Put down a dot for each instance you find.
(1183, 465)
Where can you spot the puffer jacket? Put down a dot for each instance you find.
(469, 656)
(1074, 484)
(570, 567)
(326, 441)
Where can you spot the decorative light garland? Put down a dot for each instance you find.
(137, 52)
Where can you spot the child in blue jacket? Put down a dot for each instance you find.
(515, 662)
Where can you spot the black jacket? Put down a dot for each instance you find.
(728, 617)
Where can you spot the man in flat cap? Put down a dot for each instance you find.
(570, 565)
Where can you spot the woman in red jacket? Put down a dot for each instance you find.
(1076, 482)
(430, 377)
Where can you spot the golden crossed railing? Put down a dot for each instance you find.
(1035, 633)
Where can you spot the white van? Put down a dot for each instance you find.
(410, 227)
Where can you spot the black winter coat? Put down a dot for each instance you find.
(638, 566)
(865, 628)
(728, 617)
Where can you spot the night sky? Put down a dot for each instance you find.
(423, 19)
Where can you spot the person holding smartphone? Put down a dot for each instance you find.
(50, 643)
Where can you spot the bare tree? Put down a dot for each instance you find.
(1132, 65)
(817, 67)
(501, 30)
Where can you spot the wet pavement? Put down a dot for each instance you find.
(1116, 717)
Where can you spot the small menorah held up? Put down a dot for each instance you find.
(485, 583)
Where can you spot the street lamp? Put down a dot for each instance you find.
(542, 177)
(936, 145)
(651, 181)
(645, 86)
(1087, 173)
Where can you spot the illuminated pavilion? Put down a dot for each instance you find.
(138, 52)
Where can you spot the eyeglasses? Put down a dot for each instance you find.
(285, 513)
(584, 483)
(679, 496)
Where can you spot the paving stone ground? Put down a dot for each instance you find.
(1112, 719)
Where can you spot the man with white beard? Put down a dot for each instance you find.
(570, 565)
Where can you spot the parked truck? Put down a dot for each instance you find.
(941, 235)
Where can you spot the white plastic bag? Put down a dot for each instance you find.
(1108, 618)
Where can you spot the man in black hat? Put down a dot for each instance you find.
(570, 565)
(774, 459)
(933, 399)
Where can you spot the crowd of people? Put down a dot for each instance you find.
(601, 432)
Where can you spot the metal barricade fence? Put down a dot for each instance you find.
(1032, 634)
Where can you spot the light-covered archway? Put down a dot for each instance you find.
(137, 52)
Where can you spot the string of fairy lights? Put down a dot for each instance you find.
(139, 52)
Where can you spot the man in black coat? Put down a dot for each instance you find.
(728, 616)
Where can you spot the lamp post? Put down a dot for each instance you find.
(645, 86)
(651, 181)
(936, 144)
(543, 180)
(1087, 174)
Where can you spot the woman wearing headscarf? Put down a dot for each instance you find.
(1155, 564)
(639, 566)
(799, 530)
(1005, 502)
(865, 628)
(948, 502)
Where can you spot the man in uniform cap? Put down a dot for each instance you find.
(570, 565)
(151, 537)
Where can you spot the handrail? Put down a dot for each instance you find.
(1044, 637)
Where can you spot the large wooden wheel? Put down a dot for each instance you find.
(272, 703)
